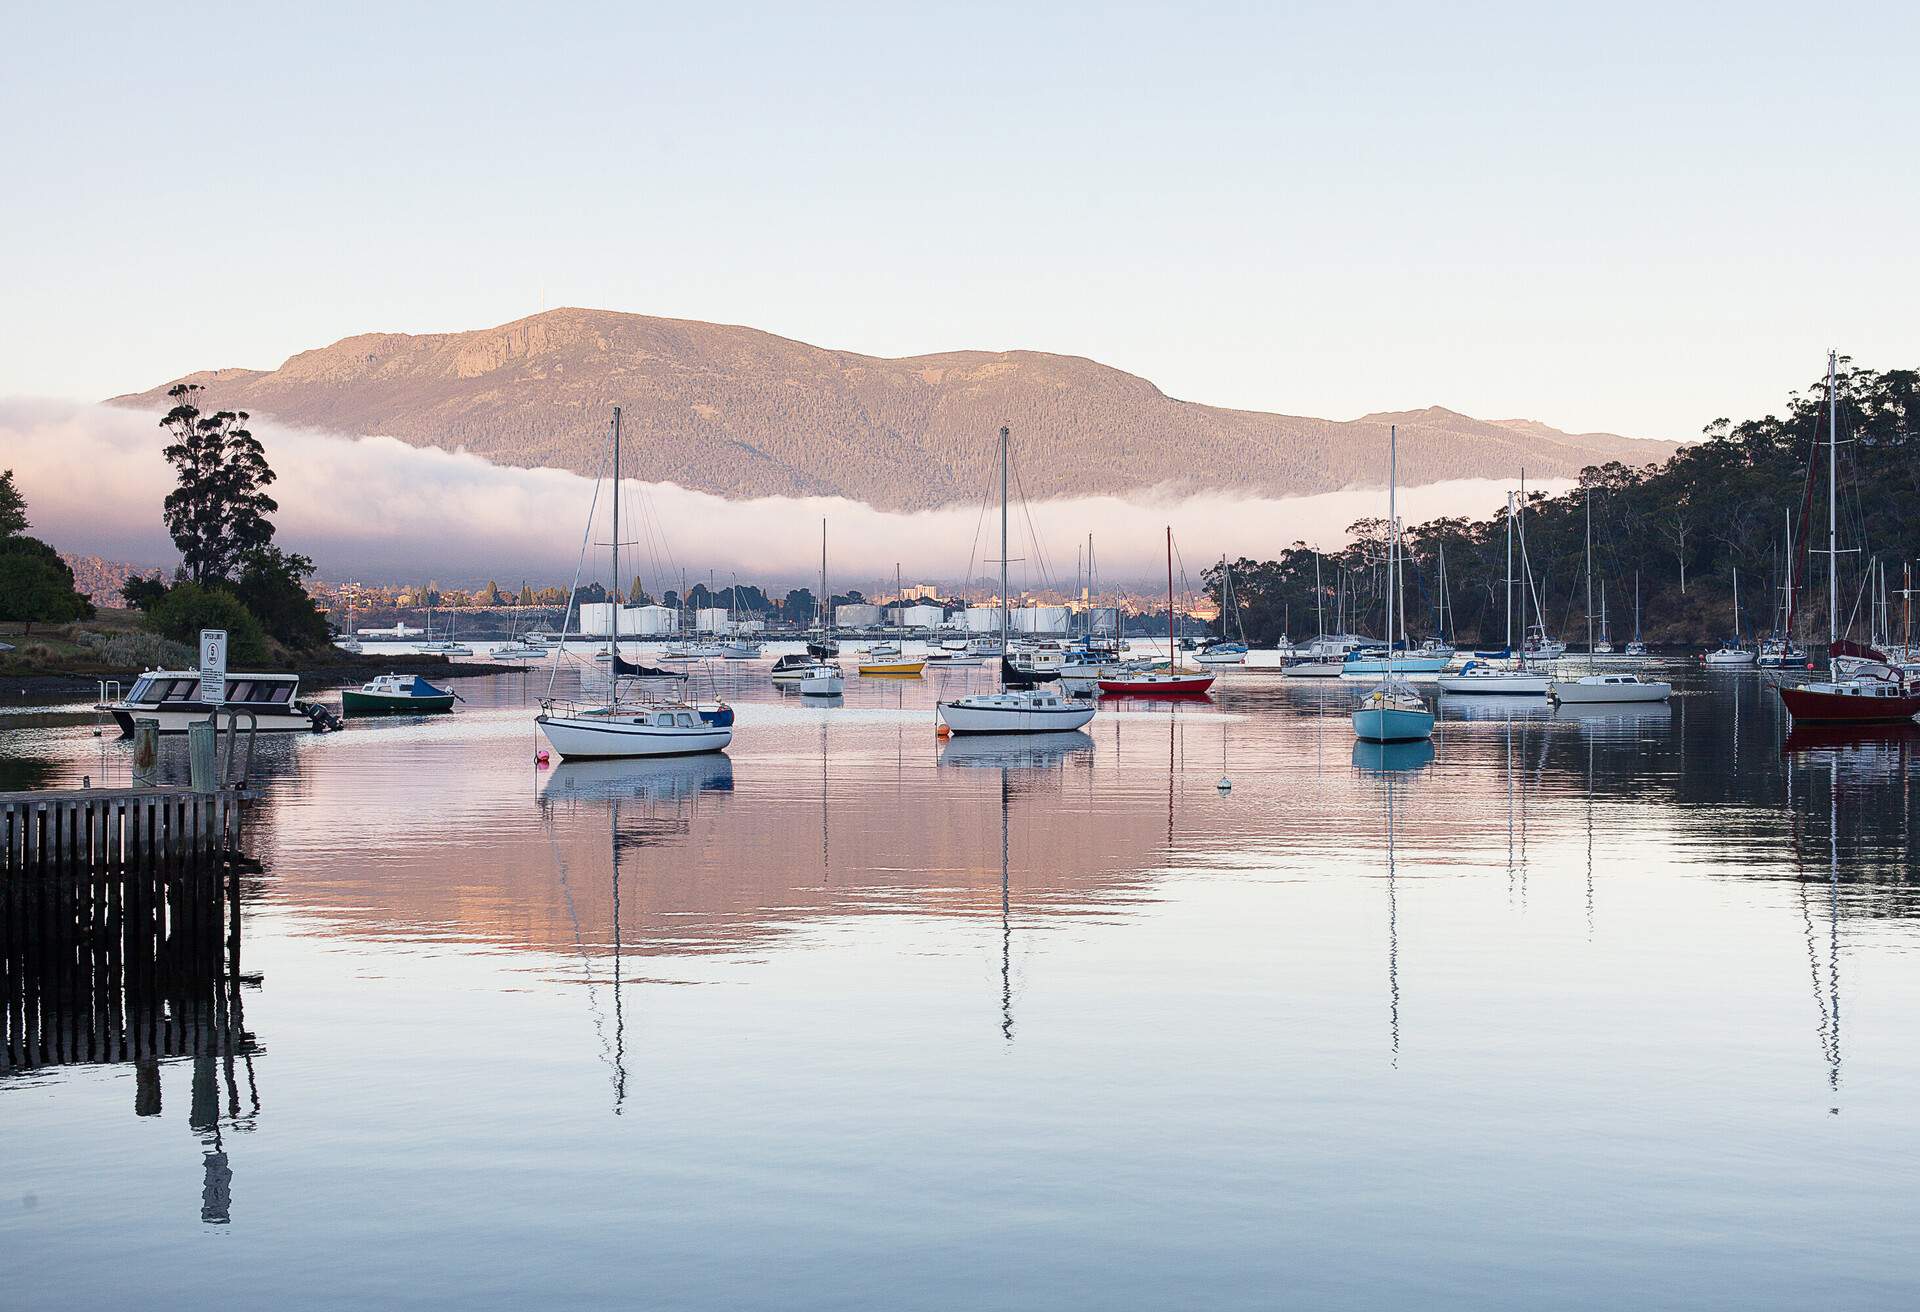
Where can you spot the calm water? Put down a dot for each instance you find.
(1604, 1011)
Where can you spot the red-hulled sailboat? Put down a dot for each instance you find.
(1871, 692)
(1172, 681)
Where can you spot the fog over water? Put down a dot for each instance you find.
(378, 509)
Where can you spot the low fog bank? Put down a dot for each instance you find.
(379, 510)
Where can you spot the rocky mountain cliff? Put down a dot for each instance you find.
(744, 413)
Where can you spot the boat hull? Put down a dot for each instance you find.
(1149, 686)
(1312, 669)
(1732, 659)
(1809, 706)
(279, 720)
(1599, 694)
(590, 738)
(1390, 724)
(1494, 685)
(1000, 719)
(1401, 665)
(907, 668)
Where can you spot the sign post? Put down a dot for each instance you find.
(213, 666)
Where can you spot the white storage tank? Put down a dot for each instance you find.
(918, 617)
(596, 618)
(710, 619)
(1040, 619)
(647, 621)
(983, 619)
(856, 615)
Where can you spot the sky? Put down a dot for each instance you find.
(1633, 218)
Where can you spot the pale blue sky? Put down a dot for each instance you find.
(1626, 217)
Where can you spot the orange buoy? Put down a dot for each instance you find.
(940, 730)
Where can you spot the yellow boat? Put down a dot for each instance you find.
(894, 667)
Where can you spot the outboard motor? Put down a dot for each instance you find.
(320, 717)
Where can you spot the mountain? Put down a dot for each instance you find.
(744, 413)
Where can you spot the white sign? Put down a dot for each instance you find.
(213, 666)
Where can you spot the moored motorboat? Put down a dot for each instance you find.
(396, 694)
(171, 698)
(822, 680)
(792, 667)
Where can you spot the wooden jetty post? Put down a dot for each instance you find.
(114, 829)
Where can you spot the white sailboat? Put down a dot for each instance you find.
(1499, 673)
(1594, 688)
(1733, 652)
(1012, 710)
(629, 728)
(1636, 647)
(1393, 712)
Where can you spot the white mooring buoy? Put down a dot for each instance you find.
(1225, 785)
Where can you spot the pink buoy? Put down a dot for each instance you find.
(540, 757)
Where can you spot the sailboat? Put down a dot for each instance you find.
(1492, 673)
(1393, 712)
(1226, 651)
(891, 658)
(1875, 693)
(1173, 679)
(1732, 651)
(1636, 647)
(1326, 655)
(629, 728)
(1594, 688)
(816, 672)
(1012, 709)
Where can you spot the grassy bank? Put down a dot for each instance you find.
(63, 660)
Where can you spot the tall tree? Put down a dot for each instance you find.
(218, 513)
(13, 507)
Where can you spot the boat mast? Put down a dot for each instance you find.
(1736, 603)
(1833, 501)
(1509, 573)
(613, 621)
(1173, 655)
(1393, 537)
(826, 607)
(1589, 579)
(1319, 596)
(1003, 550)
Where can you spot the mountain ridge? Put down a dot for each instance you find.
(740, 412)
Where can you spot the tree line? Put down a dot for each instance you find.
(1680, 530)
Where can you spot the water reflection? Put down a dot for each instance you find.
(139, 969)
(1392, 757)
(787, 957)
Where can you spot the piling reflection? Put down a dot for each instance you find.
(139, 969)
